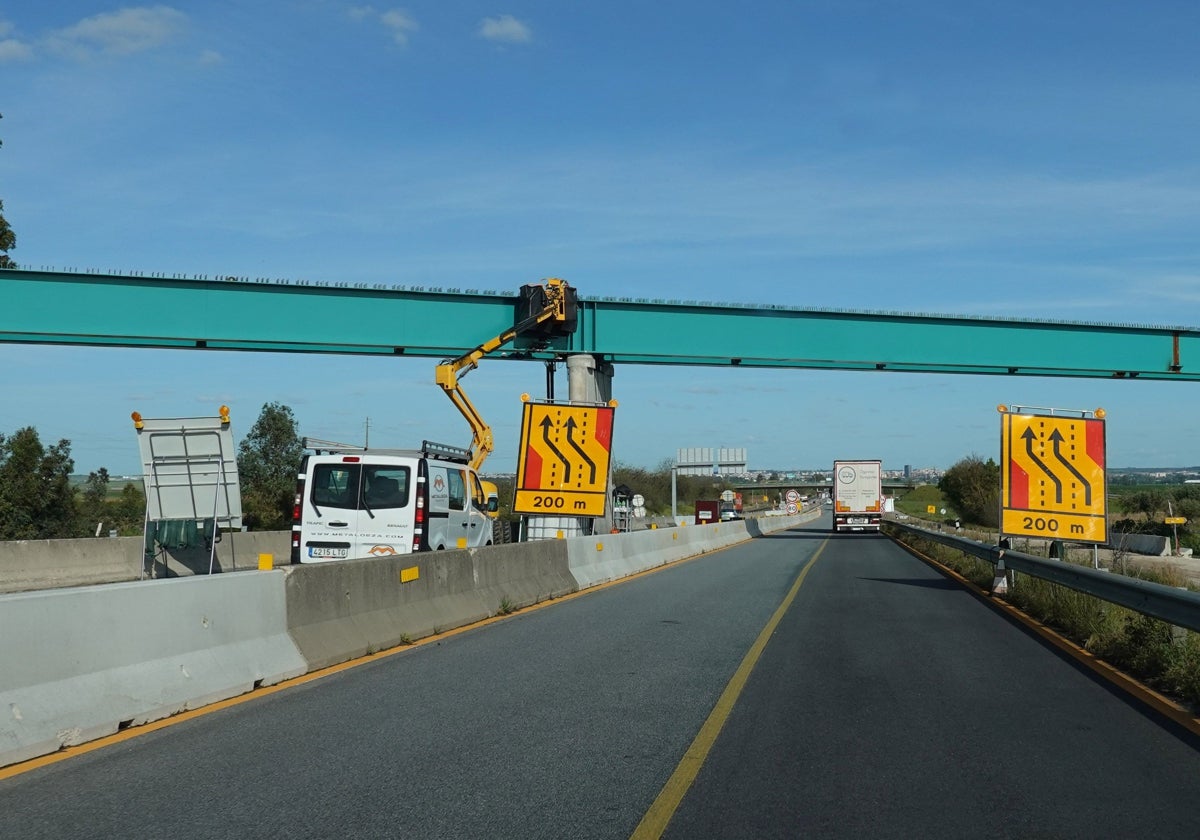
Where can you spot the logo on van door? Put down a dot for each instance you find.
(439, 483)
(382, 551)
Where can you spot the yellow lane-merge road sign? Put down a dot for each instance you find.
(1053, 483)
(564, 458)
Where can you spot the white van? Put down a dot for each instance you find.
(353, 502)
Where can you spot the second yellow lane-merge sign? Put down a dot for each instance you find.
(1053, 484)
(564, 459)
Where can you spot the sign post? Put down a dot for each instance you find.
(1053, 483)
(1174, 521)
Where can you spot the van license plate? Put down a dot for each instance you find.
(339, 553)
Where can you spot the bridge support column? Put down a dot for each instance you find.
(590, 381)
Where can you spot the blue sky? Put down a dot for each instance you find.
(974, 158)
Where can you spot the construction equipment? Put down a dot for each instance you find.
(544, 312)
(353, 502)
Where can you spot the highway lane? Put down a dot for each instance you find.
(888, 702)
(558, 722)
(892, 703)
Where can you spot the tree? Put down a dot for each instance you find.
(94, 507)
(8, 239)
(128, 513)
(268, 458)
(972, 486)
(1149, 503)
(37, 501)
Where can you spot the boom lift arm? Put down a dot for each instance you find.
(545, 312)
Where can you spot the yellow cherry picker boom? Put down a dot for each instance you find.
(544, 312)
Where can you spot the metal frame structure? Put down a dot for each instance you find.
(182, 458)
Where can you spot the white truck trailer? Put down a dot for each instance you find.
(857, 495)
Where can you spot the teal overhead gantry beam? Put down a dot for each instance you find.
(225, 314)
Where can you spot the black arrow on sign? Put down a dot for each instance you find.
(1057, 439)
(1030, 437)
(547, 425)
(571, 426)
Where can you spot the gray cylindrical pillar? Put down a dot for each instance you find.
(589, 382)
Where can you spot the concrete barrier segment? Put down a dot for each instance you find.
(31, 565)
(78, 664)
(340, 611)
(637, 551)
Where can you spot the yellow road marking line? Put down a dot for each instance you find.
(654, 823)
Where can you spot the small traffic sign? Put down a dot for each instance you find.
(792, 496)
(1175, 520)
(1053, 483)
(931, 508)
(564, 458)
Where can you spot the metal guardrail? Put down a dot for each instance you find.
(1175, 606)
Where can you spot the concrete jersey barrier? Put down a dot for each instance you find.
(78, 664)
(29, 565)
(339, 611)
(596, 560)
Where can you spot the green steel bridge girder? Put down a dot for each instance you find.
(113, 310)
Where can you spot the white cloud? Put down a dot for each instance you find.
(211, 57)
(122, 32)
(400, 23)
(397, 21)
(13, 50)
(1173, 288)
(505, 29)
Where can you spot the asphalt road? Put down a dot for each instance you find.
(887, 703)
